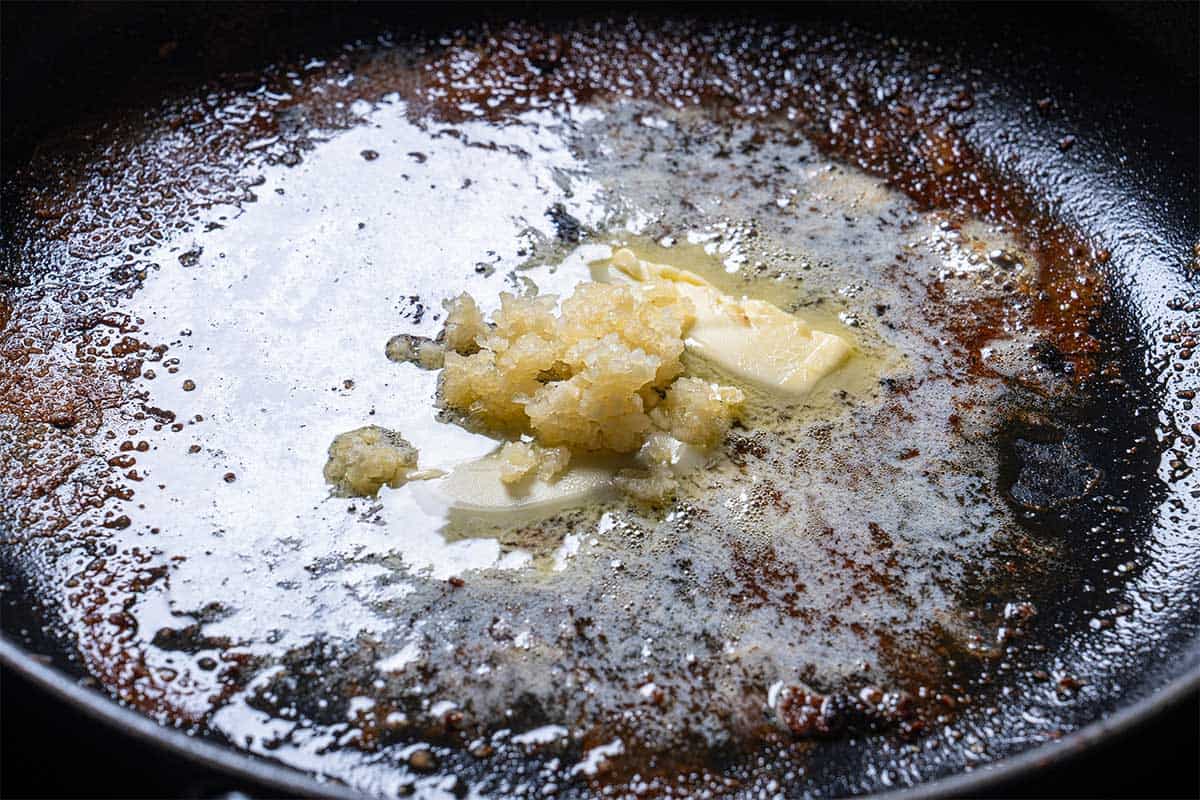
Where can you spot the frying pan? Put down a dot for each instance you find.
(1114, 155)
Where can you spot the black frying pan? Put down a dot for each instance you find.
(1123, 85)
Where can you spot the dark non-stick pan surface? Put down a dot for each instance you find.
(1091, 109)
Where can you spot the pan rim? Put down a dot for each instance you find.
(279, 776)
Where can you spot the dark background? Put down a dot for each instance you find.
(49, 749)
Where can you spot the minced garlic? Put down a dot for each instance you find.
(363, 460)
(405, 347)
(586, 377)
(464, 323)
(697, 412)
(519, 460)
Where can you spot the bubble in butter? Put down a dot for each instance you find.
(753, 340)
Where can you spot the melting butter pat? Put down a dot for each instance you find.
(484, 486)
(546, 483)
(752, 339)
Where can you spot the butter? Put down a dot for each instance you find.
(751, 339)
(480, 487)
(484, 488)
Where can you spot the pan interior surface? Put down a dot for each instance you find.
(973, 549)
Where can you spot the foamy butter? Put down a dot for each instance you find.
(751, 339)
